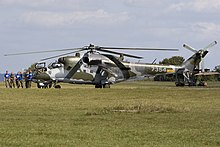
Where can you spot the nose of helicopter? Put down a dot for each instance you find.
(41, 76)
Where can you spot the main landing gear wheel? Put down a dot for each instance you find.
(38, 85)
(57, 86)
(98, 86)
(41, 86)
(103, 86)
(50, 85)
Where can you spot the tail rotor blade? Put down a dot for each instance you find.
(189, 48)
(210, 45)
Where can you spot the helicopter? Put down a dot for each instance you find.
(100, 67)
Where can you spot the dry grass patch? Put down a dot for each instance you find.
(147, 108)
(140, 108)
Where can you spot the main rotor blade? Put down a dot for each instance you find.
(117, 53)
(38, 52)
(145, 49)
(189, 48)
(62, 55)
(210, 45)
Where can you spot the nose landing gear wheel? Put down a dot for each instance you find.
(103, 86)
(106, 86)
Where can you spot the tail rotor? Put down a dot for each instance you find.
(200, 54)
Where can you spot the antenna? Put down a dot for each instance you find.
(154, 62)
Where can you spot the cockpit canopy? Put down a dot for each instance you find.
(54, 65)
(40, 65)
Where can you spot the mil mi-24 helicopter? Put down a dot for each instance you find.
(100, 69)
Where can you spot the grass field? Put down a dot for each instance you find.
(140, 113)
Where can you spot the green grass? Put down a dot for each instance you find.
(140, 113)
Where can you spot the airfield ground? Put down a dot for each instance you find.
(140, 113)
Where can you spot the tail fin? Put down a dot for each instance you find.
(194, 61)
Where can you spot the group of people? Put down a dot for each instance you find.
(18, 79)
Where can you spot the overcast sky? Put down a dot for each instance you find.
(35, 25)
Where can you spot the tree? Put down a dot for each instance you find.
(32, 67)
(217, 68)
(175, 60)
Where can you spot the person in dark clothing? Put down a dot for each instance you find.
(29, 76)
(12, 80)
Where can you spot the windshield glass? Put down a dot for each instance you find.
(54, 65)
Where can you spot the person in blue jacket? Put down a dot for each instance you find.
(19, 80)
(29, 77)
(7, 79)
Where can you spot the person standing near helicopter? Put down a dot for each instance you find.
(28, 79)
(19, 80)
(12, 80)
(7, 79)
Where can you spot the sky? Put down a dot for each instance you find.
(36, 25)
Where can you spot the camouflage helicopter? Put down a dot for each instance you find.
(100, 69)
